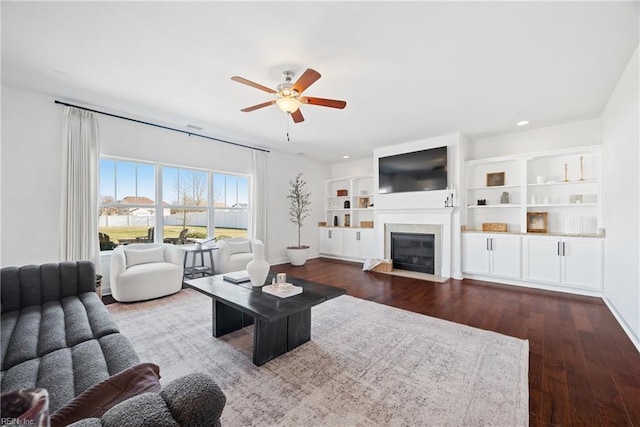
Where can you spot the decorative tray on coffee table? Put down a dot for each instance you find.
(272, 290)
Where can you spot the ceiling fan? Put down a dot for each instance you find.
(289, 94)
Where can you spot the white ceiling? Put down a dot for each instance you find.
(408, 71)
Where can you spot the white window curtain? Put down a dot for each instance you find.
(259, 196)
(79, 202)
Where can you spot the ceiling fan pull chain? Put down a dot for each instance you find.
(288, 124)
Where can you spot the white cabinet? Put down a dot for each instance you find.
(358, 243)
(492, 255)
(348, 243)
(331, 240)
(568, 261)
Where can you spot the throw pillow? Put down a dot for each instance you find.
(143, 256)
(239, 247)
(96, 400)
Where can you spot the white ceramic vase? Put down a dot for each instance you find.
(258, 268)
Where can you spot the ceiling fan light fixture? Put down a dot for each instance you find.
(288, 104)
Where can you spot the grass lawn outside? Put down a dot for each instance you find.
(117, 233)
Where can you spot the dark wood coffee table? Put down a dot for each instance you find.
(280, 324)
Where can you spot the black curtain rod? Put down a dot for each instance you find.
(161, 126)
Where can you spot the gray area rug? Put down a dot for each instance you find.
(367, 364)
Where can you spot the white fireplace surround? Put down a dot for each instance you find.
(432, 221)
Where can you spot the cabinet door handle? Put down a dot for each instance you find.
(330, 234)
(558, 249)
(357, 235)
(492, 248)
(488, 244)
(564, 249)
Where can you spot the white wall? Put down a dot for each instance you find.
(352, 168)
(575, 134)
(31, 175)
(621, 200)
(281, 233)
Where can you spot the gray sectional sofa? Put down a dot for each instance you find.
(57, 334)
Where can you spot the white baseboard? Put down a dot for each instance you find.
(635, 339)
(545, 287)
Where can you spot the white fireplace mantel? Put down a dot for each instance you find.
(423, 216)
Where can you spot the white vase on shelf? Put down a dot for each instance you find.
(258, 268)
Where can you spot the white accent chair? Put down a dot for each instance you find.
(233, 254)
(145, 271)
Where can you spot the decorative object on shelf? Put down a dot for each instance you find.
(342, 193)
(482, 202)
(540, 179)
(504, 198)
(537, 222)
(347, 204)
(573, 225)
(449, 202)
(575, 198)
(299, 210)
(533, 199)
(566, 173)
(258, 268)
(494, 226)
(347, 220)
(335, 220)
(366, 224)
(581, 168)
(322, 223)
(495, 179)
(363, 202)
(589, 198)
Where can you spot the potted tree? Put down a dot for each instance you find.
(299, 210)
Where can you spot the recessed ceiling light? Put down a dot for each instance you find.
(522, 123)
(345, 157)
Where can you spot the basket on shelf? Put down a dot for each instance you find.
(366, 224)
(342, 193)
(494, 226)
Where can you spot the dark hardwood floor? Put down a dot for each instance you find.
(583, 369)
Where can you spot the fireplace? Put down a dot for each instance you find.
(413, 251)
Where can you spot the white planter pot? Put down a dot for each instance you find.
(297, 256)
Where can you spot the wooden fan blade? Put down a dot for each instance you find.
(333, 103)
(297, 116)
(255, 107)
(307, 78)
(252, 84)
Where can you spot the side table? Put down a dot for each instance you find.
(198, 268)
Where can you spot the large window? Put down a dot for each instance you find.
(194, 204)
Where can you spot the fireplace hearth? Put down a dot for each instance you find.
(413, 251)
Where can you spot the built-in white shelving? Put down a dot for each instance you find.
(562, 183)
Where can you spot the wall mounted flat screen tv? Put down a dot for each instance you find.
(424, 170)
